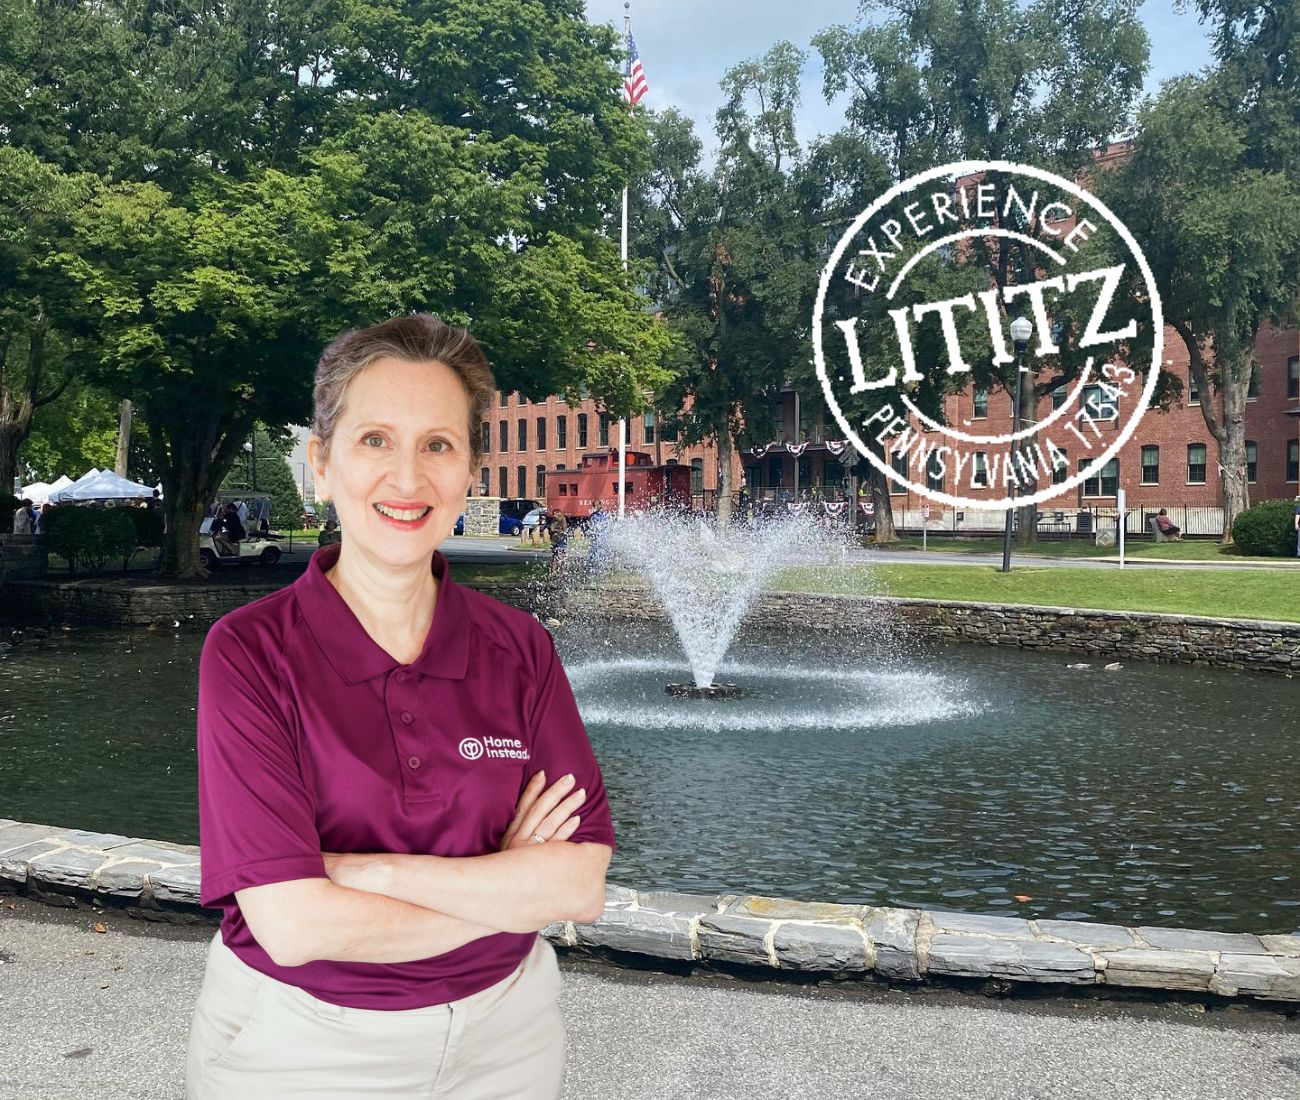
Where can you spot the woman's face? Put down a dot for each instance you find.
(399, 464)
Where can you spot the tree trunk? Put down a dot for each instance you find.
(193, 456)
(725, 446)
(1232, 443)
(123, 438)
(883, 508)
(19, 400)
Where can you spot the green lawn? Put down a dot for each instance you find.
(1220, 593)
(1189, 550)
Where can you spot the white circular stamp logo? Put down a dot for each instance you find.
(471, 748)
(916, 304)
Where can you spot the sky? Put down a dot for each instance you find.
(686, 46)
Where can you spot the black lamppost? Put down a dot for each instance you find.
(251, 451)
(1021, 331)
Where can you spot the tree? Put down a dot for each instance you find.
(266, 174)
(735, 260)
(271, 459)
(1210, 192)
(1045, 83)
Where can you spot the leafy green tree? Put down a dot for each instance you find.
(268, 464)
(734, 258)
(1211, 192)
(267, 174)
(935, 81)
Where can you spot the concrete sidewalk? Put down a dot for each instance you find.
(105, 1016)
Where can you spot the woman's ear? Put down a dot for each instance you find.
(315, 459)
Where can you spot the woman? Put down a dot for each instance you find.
(411, 796)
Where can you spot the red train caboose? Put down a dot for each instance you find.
(595, 482)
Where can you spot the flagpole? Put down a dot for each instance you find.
(622, 423)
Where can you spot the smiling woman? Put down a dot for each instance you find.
(374, 743)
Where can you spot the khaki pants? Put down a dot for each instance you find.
(253, 1037)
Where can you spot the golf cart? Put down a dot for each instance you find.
(254, 547)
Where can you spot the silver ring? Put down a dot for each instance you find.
(539, 839)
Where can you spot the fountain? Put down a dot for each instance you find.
(706, 576)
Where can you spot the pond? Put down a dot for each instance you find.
(982, 779)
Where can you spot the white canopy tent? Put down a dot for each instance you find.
(102, 485)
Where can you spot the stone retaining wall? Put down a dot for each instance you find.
(160, 881)
(1187, 639)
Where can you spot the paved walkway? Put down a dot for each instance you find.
(106, 1016)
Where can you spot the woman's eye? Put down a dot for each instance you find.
(439, 444)
(368, 438)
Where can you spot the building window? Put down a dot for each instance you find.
(898, 463)
(933, 474)
(1060, 467)
(1103, 483)
(979, 477)
(523, 436)
(485, 482)
(561, 466)
(753, 476)
(981, 403)
(805, 473)
(541, 433)
(503, 485)
(502, 398)
(1100, 404)
(541, 483)
(604, 430)
(1252, 461)
(1059, 394)
(561, 432)
(582, 429)
(774, 465)
(667, 434)
(487, 437)
(1196, 464)
(504, 435)
(1193, 394)
(564, 489)
(521, 480)
(1252, 387)
(583, 392)
(697, 476)
(1293, 460)
(1293, 376)
(1150, 465)
(648, 427)
(523, 400)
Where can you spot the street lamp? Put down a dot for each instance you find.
(251, 451)
(1021, 331)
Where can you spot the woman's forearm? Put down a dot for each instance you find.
(518, 890)
(344, 924)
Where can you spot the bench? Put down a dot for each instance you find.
(1153, 525)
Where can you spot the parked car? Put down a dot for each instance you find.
(506, 524)
(517, 507)
(534, 519)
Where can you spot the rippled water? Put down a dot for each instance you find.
(953, 777)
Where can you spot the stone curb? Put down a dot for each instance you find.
(160, 880)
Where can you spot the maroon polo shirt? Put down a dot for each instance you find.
(312, 738)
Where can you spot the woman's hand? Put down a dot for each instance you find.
(353, 869)
(545, 813)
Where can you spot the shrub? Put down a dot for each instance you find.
(1266, 529)
(90, 535)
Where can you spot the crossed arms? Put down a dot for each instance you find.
(387, 907)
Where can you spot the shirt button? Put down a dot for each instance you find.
(400, 677)
(413, 762)
(408, 717)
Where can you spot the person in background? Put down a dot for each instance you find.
(228, 531)
(242, 509)
(40, 517)
(1167, 526)
(22, 524)
(557, 526)
(597, 533)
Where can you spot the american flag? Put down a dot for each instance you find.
(635, 85)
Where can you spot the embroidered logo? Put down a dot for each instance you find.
(509, 748)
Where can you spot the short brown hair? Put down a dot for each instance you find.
(415, 338)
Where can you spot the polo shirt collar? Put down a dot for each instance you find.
(353, 653)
